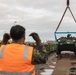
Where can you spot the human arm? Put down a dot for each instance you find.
(39, 53)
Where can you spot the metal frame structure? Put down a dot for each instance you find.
(63, 33)
(67, 8)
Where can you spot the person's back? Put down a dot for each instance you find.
(14, 58)
(17, 58)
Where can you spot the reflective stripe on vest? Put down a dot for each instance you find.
(25, 53)
(24, 58)
(17, 73)
(2, 51)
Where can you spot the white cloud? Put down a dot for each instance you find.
(41, 16)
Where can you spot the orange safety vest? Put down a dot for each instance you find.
(15, 59)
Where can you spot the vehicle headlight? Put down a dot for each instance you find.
(73, 40)
(58, 40)
(68, 42)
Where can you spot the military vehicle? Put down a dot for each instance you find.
(64, 64)
(67, 43)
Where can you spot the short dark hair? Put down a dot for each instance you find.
(17, 32)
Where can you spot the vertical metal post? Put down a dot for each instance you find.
(67, 3)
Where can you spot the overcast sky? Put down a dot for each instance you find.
(41, 16)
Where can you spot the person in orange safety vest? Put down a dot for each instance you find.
(19, 59)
